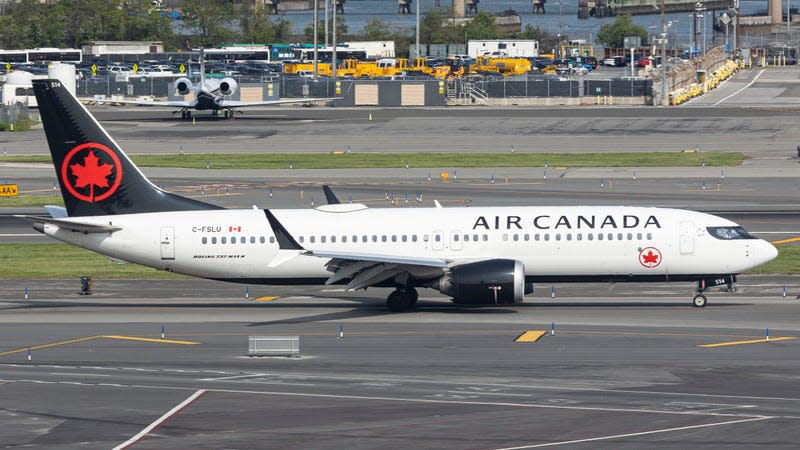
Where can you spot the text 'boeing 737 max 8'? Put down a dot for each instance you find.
(477, 255)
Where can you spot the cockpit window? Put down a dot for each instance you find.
(729, 233)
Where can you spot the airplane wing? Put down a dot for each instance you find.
(158, 103)
(366, 270)
(69, 225)
(240, 104)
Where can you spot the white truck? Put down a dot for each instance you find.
(513, 48)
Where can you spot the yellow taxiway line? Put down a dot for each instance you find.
(266, 299)
(786, 241)
(752, 341)
(530, 336)
(156, 340)
(90, 338)
(49, 345)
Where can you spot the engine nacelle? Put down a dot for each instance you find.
(227, 86)
(495, 281)
(183, 86)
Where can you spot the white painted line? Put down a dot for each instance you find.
(80, 374)
(743, 88)
(161, 419)
(22, 234)
(642, 433)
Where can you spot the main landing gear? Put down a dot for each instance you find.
(402, 299)
(699, 300)
(186, 114)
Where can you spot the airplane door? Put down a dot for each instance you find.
(687, 238)
(167, 243)
(438, 240)
(455, 240)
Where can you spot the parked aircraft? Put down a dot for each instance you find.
(477, 255)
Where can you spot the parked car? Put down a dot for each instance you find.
(614, 61)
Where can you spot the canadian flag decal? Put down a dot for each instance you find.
(236, 228)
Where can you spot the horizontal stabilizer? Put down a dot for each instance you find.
(70, 225)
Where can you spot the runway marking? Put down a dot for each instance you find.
(530, 336)
(641, 433)
(21, 234)
(755, 78)
(266, 299)
(785, 241)
(752, 341)
(191, 399)
(483, 403)
(155, 340)
(80, 374)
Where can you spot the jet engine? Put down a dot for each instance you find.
(227, 86)
(183, 85)
(490, 282)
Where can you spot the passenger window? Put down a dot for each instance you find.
(344, 239)
(547, 236)
(425, 237)
(527, 237)
(569, 236)
(364, 238)
(599, 236)
(516, 237)
(536, 237)
(383, 238)
(475, 237)
(619, 236)
(252, 239)
(311, 239)
(223, 240)
(374, 238)
(322, 239)
(505, 237)
(405, 238)
(302, 239)
(485, 237)
(610, 236)
(630, 236)
(649, 236)
(355, 239)
(413, 238)
(639, 236)
(455, 237)
(205, 240)
(394, 238)
(579, 236)
(438, 237)
(466, 238)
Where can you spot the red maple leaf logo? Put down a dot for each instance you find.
(91, 173)
(650, 258)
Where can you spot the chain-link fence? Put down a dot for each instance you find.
(11, 114)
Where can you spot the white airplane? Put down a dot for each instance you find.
(477, 255)
(209, 94)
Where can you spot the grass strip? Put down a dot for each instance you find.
(32, 200)
(61, 261)
(340, 160)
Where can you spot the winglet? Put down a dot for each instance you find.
(329, 195)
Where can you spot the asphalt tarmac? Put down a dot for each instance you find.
(624, 367)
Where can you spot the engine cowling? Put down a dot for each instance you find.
(183, 86)
(227, 86)
(490, 282)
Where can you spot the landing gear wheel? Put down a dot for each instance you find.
(411, 292)
(398, 301)
(183, 115)
(699, 301)
(189, 115)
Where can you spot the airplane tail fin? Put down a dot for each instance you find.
(96, 176)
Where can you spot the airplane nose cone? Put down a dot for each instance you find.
(768, 252)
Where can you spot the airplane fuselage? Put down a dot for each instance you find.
(553, 243)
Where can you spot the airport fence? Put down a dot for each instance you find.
(11, 114)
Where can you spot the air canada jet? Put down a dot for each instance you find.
(477, 255)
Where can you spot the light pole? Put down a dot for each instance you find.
(417, 33)
(316, 66)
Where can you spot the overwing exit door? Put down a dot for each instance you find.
(167, 243)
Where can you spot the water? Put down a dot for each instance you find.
(359, 12)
